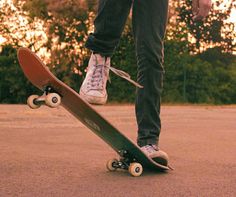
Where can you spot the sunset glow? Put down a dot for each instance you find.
(2, 39)
(18, 23)
(233, 16)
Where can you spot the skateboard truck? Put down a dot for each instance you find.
(122, 153)
(125, 163)
(49, 98)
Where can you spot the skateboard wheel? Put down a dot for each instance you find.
(31, 102)
(53, 100)
(111, 164)
(135, 169)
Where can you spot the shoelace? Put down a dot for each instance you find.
(96, 81)
(124, 75)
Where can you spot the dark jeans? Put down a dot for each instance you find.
(149, 24)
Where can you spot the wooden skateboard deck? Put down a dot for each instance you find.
(40, 76)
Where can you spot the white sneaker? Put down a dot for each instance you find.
(93, 89)
(156, 154)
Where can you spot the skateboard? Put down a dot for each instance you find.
(56, 93)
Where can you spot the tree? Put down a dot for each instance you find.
(14, 87)
(18, 29)
(199, 63)
(216, 30)
(67, 26)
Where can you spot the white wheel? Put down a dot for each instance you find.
(31, 103)
(53, 100)
(110, 164)
(135, 169)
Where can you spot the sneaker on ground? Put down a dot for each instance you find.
(93, 89)
(156, 154)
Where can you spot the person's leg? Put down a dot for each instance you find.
(149, 25)
(109, 24)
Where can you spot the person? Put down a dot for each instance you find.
(149, 19)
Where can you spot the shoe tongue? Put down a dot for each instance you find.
(100, 59)
(108, 61)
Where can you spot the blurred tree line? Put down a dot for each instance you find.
(199, 61)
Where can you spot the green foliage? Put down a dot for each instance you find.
(194, 73)
(205, 78)
(215, 30)
(38, 8)
(199, 81)
(14, 87)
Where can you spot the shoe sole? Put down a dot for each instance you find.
(93, 99)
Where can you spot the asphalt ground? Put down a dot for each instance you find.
(47, 152)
